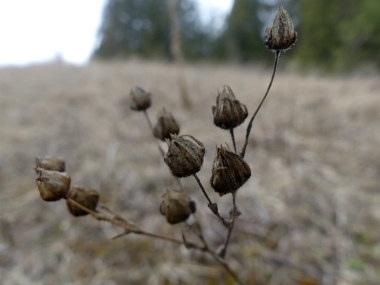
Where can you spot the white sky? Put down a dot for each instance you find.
(34, 31)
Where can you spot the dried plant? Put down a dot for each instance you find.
(184, 157)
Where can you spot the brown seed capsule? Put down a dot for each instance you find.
(229, 171)
(141, 100)
(53, 185)
(85, 196)
(228, 112)
(185, 155)
(51, 163)
(165, 126)
(177, 206)
(280, 35)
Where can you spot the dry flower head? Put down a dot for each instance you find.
(141, 100)
(51, 163)
(228, 112)
(177, 206)
(165, 126)
(280, 35)
(53, 185)
(85, 196)
(184, 156)
(229, 171)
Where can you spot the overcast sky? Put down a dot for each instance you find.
(35, 31)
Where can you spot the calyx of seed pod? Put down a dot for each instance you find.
(177, 206)
(51, 163)
(280, 35)
(165, 126)
(184, 156)
(141, 100)
(229, 171)
(53, 185)
(85, 196)
(228, 112)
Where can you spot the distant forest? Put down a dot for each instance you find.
(332, 34)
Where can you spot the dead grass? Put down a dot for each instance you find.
(310, 209)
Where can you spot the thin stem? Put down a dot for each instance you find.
(222, 254)
(128, 229)
(151, 128)
(213, 206)
(217, 258)
(203, 189)
(261, 103)
(227, 268)
(233, 139)
(158, 144)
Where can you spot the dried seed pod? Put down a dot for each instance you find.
(185, 155)
(280, 35)
(229, 171)
(53, 185)
(165, 126)
(51, 163)
(177, 206)
(141, 100)
(85, 196)
(228, 112)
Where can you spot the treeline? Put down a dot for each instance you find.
(333, 34)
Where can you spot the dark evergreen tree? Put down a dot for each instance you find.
(135, 27)
(338, 34)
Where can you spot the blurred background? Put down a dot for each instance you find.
(310, 213)
(330, 32)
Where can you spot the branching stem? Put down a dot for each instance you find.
(151, 128)
(132, 229)
(213, 206)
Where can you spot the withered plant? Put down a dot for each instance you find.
(184, 157)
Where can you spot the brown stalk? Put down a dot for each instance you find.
(233, 139)
(125, 226)
(224, 250)
(217, 258)
(151, 128)
(277, 56)
(213, 206)
(132, 229)
(158, 144)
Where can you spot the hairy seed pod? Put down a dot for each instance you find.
(85, 196)
(229, 171)
(177, 206)
(280, 35)
(141, 100)
(165, 126)
(185, 155)
(51, 163)
(53, 185)
(228, 112)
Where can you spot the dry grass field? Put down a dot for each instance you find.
(310, 212)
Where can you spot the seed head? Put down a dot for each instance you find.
(280, 35)
(53, 185)
(229, 171)
(141, 100)
(177, 206)
(82, 195)
(165, 126)
(228, 112)
(51, 163)
(185, 155)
